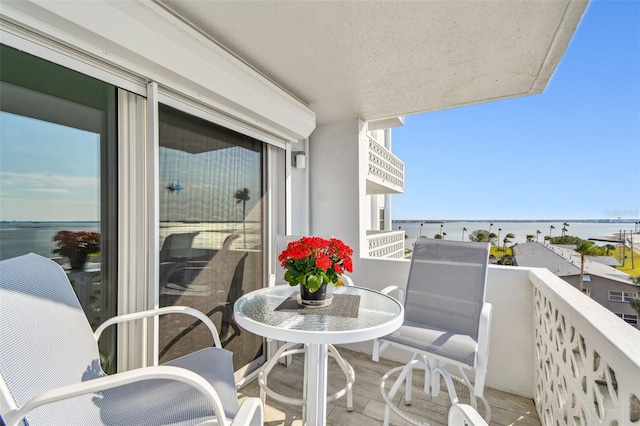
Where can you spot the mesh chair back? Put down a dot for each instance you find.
(446, 286)
(45, 338)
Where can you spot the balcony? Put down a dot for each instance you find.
(388, 244)
(557, 357)
(385, 174)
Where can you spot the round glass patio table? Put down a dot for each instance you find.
(377, 315)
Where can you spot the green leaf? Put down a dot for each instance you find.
(313, 283)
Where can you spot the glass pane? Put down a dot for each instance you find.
(211, 231)
(56, 178)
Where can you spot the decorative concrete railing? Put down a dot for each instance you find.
(386, 244)
(587, 361)
(385, 169)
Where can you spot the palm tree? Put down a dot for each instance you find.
(530, 238)
(564, 228)
(475, 235)
(538, 232)
(586, 248)
(444, 234)
(463, 229)
(493, 237)
(499, 230)
(550, 228)
(507, 240)
(610, 247)
(438, 236)
(242, 196)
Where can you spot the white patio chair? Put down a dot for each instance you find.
(446, 320)
(50, 371)
(287, 349)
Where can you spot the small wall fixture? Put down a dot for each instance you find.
(299, 159)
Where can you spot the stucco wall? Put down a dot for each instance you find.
(334, 176)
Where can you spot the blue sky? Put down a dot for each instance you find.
(48, 172)
(572, 152)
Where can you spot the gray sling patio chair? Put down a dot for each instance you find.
(50, 371)
(446, 320)
(285, 350)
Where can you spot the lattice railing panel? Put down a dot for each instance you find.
(581, 378)
(385, 166)
(386, 244)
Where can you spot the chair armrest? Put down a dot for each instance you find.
(401, 291)
(484, 332)
(347, 280)
(12, 418)
(463, 414)
(250, 413)
(162, 311)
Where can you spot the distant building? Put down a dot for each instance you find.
(603, 283)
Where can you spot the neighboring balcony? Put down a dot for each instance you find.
(386, 172)
(556, 358)
(386, 244)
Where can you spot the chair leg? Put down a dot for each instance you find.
(467, 382)
(286, 349)
(387, 415)
(409, 384)
(407, 370)
(434, 380)
(350, 376)
(375, 355)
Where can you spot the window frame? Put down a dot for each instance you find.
(628, 318)
(625, 296)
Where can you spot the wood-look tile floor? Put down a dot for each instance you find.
(368, 404)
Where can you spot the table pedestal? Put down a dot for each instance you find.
(316, 391)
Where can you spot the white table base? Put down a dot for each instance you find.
(316, 391)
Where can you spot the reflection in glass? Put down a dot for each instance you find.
(57, 174)
(211, 231)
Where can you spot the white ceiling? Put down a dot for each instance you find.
(381, 59)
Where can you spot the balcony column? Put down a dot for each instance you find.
(337, 191)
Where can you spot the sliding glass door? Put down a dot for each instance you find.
(58, 168)
(211, 231)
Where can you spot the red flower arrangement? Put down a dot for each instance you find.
(314, 261)
(71, 243)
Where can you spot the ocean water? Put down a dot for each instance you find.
(584, 230)
(18, 238)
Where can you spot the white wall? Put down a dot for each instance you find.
(299, 191)
(335, 193)
(511, 356)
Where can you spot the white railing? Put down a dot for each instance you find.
(587, 361)
(388, 244)
(576, 359)
(385, 169)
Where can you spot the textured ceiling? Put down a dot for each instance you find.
(383, 59)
